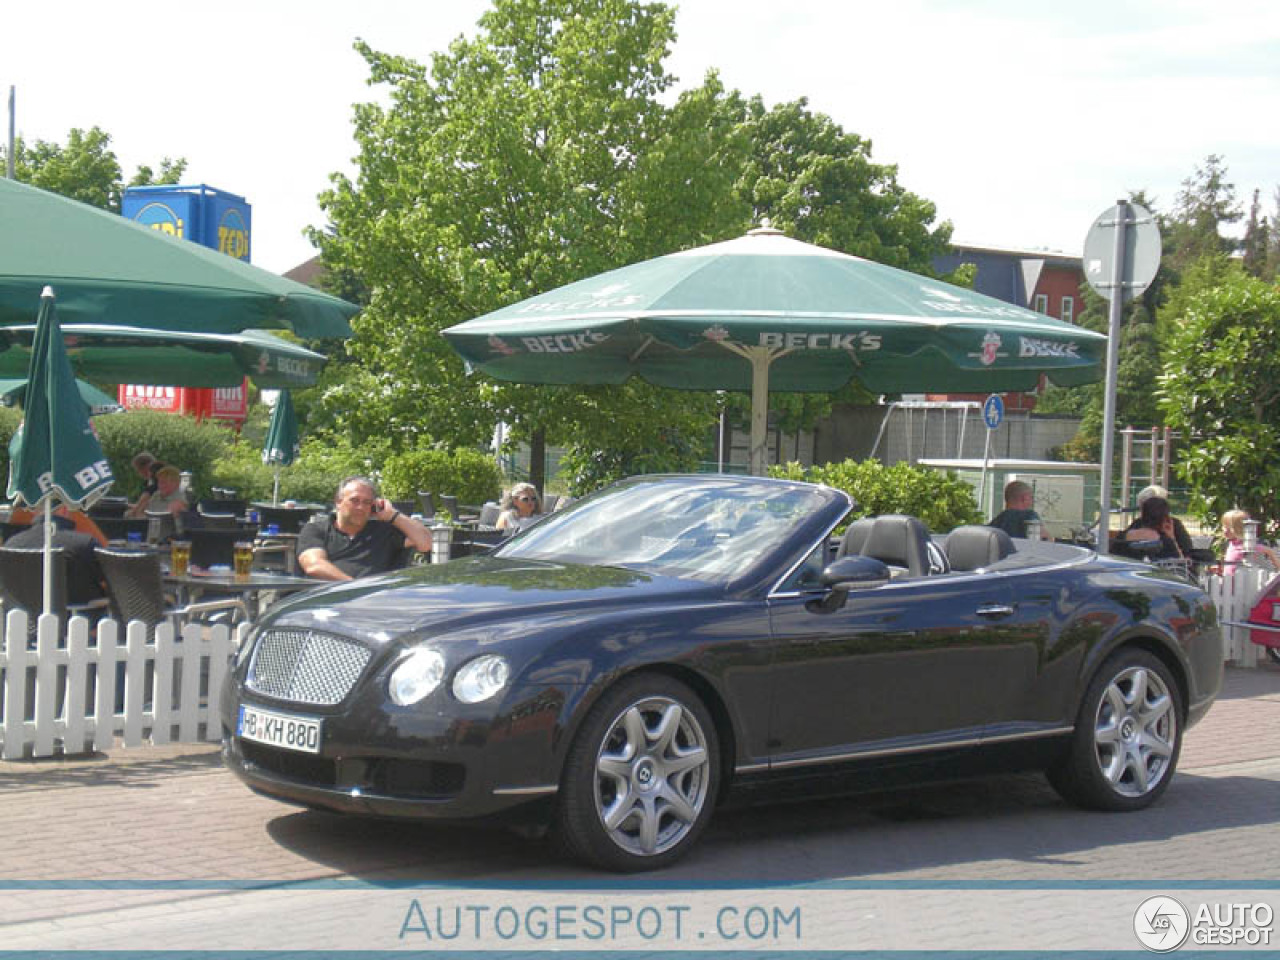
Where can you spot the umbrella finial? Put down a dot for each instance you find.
(766, 229)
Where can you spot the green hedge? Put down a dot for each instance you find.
(941, 500)
(179, 440)
(9, 420)
(471, 476)
(313, 477)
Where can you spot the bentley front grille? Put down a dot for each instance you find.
(305, 666)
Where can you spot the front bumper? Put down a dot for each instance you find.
(379, 759)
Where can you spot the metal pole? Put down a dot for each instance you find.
(1168, 457)
(720, 445)
(982, 486)
(9, 155)
(1113, 351)
(1126, 465)
(48, 554)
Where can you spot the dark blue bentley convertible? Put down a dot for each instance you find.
(625, 666)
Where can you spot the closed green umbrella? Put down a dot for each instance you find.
(115, 354)
(766, 312)
(12, 392)
(110, 270)
(281, 445)
(54, 454)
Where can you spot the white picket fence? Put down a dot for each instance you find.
(62, 697)
(1234, 593)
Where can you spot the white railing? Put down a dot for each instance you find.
(63, 696)
(1234, 594)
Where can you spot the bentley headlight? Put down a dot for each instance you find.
(416, 676)
(481, 678)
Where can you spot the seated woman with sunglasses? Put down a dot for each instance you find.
(521, 509)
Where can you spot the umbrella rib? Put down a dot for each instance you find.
(642, 348)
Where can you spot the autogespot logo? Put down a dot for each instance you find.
(1161, 924)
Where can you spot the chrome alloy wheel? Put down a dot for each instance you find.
(652, 776)
(1135, 731)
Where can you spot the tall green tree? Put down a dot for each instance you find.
(85, 168)
(1257, 239)
(534, 154)
(1221, 389)
(1205, 204)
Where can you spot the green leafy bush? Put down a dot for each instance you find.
(323, 463)
(471, 476)
(9, 420)
(186, 443)
(585, 469)
(313, 477)
(941, 500)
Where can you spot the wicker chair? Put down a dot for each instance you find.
(222, 507)
(135, 587)
(22, 586)
(119, 528)
(449, 503)
(284, 519)
(213, 547)
(162, 527)
(109, 507)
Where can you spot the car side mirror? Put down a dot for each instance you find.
(855, 573)
(850, 573)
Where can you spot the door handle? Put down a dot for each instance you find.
(995, 610)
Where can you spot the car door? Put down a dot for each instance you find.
(918, 661)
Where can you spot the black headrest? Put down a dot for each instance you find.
(854, 537)
(970, 548)
(900, 541)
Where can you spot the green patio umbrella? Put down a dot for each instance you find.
(281, 446)
(54, 455)
(116, 354)
(110, 270)
(12, 392)
(767, 312)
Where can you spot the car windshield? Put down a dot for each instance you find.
(706, 530)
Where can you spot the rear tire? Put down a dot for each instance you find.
(1127, 738)
(641, 777)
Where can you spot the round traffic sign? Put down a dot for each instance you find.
(1141, 251)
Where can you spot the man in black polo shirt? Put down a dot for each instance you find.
(364, 535)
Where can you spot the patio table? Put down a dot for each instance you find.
(195, 583)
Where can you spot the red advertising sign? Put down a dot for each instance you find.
(139, 397)
(228, 403)
(218, 403)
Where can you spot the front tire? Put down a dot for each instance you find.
(641, 777)
(1128, 736)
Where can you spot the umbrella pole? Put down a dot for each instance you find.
(760, 358)
(48, 555)
(275, 489)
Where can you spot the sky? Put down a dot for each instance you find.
(1021, 120)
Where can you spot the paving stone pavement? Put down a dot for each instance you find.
(160, 848)
(174, 814)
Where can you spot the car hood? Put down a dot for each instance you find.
(433, 599)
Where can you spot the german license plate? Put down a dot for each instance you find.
(279, 729)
